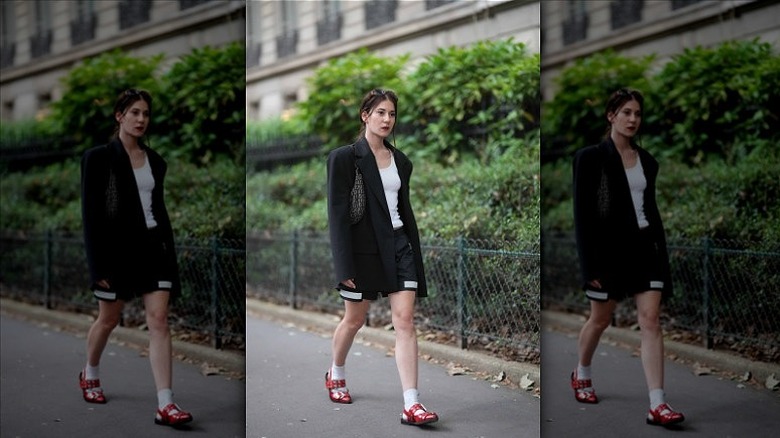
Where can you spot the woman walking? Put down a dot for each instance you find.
(621, 247)
(130, 250)
(380, 252)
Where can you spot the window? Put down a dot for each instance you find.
(625, 12)
(40, 41)
(431, 4)
(133, 12)
(82, 26)
(677, 4)
(329, 25)
(287, 39)
(186, 4)
(254, 36)
(576, 25)
(379, 12)
(7, 34)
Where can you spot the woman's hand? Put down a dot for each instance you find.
(104, 284)
(595, 283)
(349, 282)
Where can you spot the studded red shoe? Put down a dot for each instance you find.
(663, 415)
(171, 415)
(583, 389)
(90, 390)
(417, 415)
(335, 391)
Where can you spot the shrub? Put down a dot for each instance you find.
(464, 99)
(716, 101)
(203, 99)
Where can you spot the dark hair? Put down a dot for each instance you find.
(126, 99)
(618, 99)
(371, 100)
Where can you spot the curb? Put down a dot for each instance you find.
(228, 361)
(718, 361)
(475, 361)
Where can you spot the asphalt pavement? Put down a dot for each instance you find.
(714, 405)
(39, 369)
(286, 396)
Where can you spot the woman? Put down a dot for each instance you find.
(621, 247)
(129, 244)
(380, 254)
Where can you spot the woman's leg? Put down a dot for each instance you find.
(648, 305)
(109, 315)
(402, 308)
(156, 308)
(354, 318)
(598, 321)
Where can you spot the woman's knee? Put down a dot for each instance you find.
(403, 321)
(157, 320)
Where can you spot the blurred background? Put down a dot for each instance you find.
(62, 65)
(467, 76)
(709, 72)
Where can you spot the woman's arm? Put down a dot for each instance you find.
(340, 179)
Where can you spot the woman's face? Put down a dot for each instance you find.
(135, 119)
(626, 120)
(381, 120)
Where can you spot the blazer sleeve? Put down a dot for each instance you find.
(95, 173)
(587, 177)
(340, 180)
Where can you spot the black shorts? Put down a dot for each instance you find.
(406, 272)
(147, 270)
(642, 274)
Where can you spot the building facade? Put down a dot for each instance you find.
(41, 40)
(573, 29)
(288, 39)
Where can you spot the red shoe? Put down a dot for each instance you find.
(90, 390)
(583, 389)
(336, 395)
(663, 415)
(417, 415)
(171, 415)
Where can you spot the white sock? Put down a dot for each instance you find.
(656, 397)
(337, 372)
(164, 397)
(411, 397)
(91, 373)
(583, 372)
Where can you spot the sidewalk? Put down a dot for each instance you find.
(714, 406)
(39, 368)
(286, 397)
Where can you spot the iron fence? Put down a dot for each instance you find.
(481, 294)
(50, 269)
(725, 292)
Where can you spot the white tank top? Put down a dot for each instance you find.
(391, 182)
(638, 183)
(145, 182)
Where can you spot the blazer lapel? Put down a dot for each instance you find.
(367, 164)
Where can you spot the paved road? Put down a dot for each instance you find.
(714, 407)
(40, 396)
(286, 395)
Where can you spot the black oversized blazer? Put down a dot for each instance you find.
(114, 224)
(606, 226)
(365, 251)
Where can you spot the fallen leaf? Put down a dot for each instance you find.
(772, 382)
(526, 382)
(701, 370)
